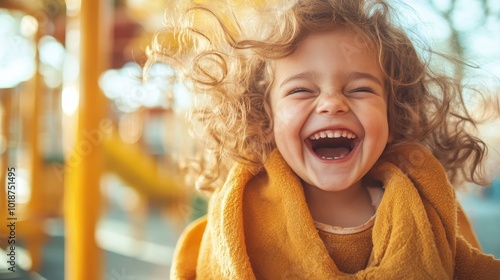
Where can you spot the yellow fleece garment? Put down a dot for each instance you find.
(259, 227)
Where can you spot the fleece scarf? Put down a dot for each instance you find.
(259, 227)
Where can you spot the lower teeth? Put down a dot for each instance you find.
(323, 157)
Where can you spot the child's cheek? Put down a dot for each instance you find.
(286, 116)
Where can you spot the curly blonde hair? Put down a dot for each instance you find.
(225, 52)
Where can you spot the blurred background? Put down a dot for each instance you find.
(99, 191)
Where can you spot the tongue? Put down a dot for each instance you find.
(339, 152)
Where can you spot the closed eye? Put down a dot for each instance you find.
(363, 89)
(299, 90)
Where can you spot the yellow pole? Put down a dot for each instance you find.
(84, 259)
(34, 243)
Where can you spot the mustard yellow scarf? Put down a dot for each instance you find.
(259, 227)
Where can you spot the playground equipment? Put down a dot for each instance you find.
(73, 180)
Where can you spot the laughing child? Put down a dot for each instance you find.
(337, 143)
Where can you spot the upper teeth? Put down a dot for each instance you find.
(332, 134)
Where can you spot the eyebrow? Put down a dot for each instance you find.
(300, 76)
(350, 76)
(364, 75)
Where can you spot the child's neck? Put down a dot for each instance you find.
(347, 208)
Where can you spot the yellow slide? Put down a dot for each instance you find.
(131, 163)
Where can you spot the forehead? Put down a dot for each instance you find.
(341, 48)
(341, 39)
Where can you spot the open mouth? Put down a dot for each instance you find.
(332, 144)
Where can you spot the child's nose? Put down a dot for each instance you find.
(332, 103)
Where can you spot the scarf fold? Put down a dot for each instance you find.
(259, 227)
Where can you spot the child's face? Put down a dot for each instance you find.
(330, 88)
